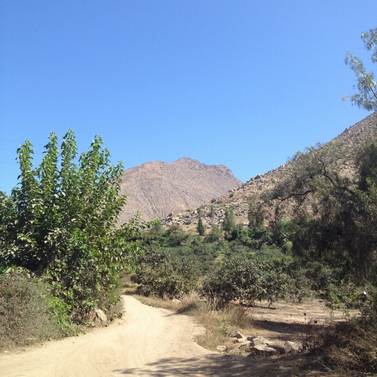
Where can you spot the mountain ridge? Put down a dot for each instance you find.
(155, 189)
(347, 142)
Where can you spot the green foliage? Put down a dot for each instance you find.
(248, 277)
(167, 273)
(366, 96)
(59, 222)
(214, 235)
(28, 312)
(200, 227)
(340, 232)
(255, 214)
(175, 236)
(229, 223)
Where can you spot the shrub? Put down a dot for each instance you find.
(28, 312)
(166, 273)
(248, 277)
(214, 235)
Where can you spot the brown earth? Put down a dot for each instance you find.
(156, 189)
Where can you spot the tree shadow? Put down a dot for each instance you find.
(285, 328)
(222, 366)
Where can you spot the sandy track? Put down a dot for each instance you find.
(144, 339)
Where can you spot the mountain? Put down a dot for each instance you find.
(156, 189)
(346, 146)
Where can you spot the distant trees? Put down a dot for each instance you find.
(366, 96)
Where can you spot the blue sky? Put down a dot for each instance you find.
(243, 83)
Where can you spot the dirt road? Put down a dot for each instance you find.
(145, 336)
(147, 342)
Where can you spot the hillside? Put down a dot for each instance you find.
(156, 189)
(346, 144)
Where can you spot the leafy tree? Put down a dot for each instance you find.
(60, 221)
(175, 236)
(366, 96)
(255, 213)
(229, 223)
(340, 230)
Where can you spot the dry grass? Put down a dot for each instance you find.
(351, 346)
(286, 321)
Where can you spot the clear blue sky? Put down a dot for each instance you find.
(244, 83)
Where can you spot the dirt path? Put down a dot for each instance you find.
(144, 337)
(147, 342)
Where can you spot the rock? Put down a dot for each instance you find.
(262, 349)
(245, 346)
(277, 344)
(222, 348)
(290, 346)
(100, 315)
(236, 334)
(261, 345)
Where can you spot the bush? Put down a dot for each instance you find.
(28, 313)
(167, 273)
(248, 277)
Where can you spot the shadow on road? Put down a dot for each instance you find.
(222, 366)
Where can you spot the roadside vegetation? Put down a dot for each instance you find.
(60, 255)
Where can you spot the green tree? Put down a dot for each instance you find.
(229, 223)
(62, 217)
(255, 213)
(200, 227)
(366, 96)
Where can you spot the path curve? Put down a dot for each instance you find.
(146, 337)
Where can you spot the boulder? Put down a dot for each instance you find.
(265, 346)
(290, 346)
(236, 334)
(222, 348)
(100, 316)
